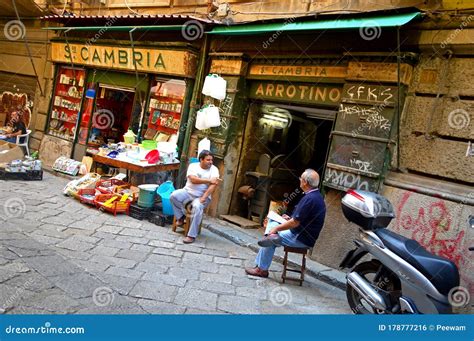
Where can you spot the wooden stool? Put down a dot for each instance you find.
(186, 225)
(301, 270)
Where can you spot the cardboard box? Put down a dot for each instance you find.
(10, 152)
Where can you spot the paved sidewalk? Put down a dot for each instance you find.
(60, 256)
(249, 238)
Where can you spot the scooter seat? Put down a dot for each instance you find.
(440, 271)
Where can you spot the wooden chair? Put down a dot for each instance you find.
(187, 222)
(301, 270)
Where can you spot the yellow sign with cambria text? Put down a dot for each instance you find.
(149, 60)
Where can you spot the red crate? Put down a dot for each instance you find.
(115, 207)
(84, 195)
(108, 186)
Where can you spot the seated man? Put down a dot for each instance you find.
(18, 128)
(301, 230)
(202, 180)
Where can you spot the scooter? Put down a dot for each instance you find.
(401, 277)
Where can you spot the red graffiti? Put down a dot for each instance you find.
(429, 228)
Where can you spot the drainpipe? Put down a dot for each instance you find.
(200, 74)
(142, 103)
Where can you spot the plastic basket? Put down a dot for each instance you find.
(87, 195)
(108, 186)
(149, 144)
(116, 206)
(130, 190)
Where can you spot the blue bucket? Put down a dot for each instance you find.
(146, 197)
(164, 191)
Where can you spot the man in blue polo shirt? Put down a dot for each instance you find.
(301, 230)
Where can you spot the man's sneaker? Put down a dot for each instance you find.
(270, 240)
(256, 271)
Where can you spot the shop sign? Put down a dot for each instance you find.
(381, 72)
(124, 58)
(289, 71)
(298, 93)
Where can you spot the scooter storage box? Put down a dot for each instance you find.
(366, 209)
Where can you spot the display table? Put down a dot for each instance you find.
(139, 167)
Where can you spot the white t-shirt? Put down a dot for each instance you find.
(197, 190)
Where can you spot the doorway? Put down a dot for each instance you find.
(291, 139)
(112, 114)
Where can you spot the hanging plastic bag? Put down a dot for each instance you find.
(213, 118)
(214, 86)
(201, 119)
(204, 144)
(219, 89)
(209, 84)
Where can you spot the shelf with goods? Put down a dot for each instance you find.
(163, 117)
(66, 102)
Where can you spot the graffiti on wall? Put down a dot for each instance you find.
(432, 226)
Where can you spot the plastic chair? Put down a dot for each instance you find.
(25, 141)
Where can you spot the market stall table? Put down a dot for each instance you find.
(141, 167)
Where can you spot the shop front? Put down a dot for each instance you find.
(101, 94)
(310, 102)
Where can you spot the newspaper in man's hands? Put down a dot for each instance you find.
(275, 217)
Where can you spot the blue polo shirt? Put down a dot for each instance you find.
(310, 212)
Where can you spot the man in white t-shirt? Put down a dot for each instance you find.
(202, 180)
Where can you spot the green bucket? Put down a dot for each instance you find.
(146, 197)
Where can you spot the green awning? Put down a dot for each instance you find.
(117, 28)
(380, 21)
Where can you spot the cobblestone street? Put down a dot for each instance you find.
(60, 256)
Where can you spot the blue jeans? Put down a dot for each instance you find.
(178, 199)
(265, 254)
(10, 139)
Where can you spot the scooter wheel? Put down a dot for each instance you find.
(378, 276)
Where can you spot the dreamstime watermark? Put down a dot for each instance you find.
(17, 294)
(459, 297)
(457, 31)
(101, 32)
(370, 30)
(14, 30)
(266, 44)
(103, 296)
(192, 30)
(280, 296)
(13, 208)
(103, 119)
(459, 119)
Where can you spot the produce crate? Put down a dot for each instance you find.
(108, 186)
(138, 212)
(28, 175)
(160, 219)
(87, 195)
(131, 190)
(116, 206)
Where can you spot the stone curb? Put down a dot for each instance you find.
(238, 236)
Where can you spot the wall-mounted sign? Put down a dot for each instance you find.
(381, 72)
(150, 60)
(297, 92)
(296, 71)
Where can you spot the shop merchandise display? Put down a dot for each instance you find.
(66, 103)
